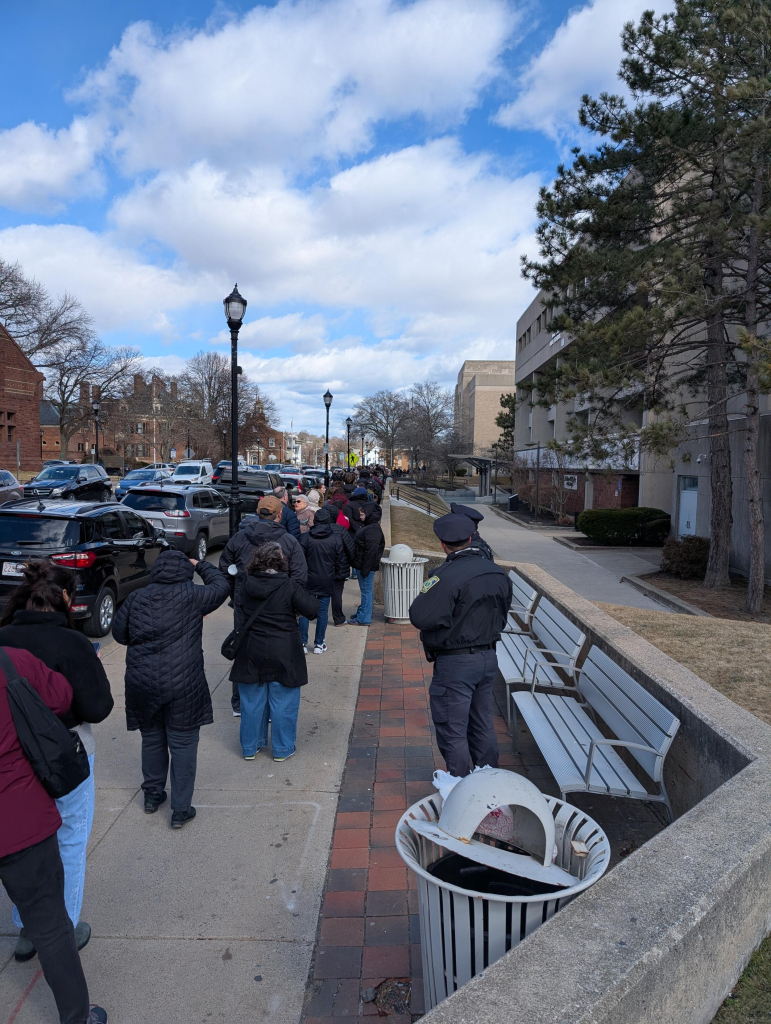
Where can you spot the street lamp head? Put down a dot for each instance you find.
(349, 422)
(235, 306)
(96, 407)
(328, 398)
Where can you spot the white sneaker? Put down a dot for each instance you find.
(319, 648)
(305, 649)
(236, 714)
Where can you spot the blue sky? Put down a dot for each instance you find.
(365, 169)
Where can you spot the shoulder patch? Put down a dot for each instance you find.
(430, 582)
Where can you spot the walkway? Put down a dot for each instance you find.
(215, 922)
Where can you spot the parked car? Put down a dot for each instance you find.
(192, 518)
(84, 482)
(253, 484)
(111, 548)
(140, 476)
(225, 464)
(170, 466)
(10, 488)
(298, 482)
(274, 467)
(196, 471)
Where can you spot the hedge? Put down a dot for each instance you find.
(686, 558)
(625, 525)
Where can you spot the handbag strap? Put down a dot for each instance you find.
(242, 632)
(8, 667)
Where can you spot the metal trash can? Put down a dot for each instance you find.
(402, 580)
(514, 503)
(507, 889)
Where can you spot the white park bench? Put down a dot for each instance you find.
(523, 601)
(579, 756)
(547, 654)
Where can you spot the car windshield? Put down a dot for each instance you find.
(140, 474)
(154, 501)
(38, 531)
(187, 471)
(58, 473)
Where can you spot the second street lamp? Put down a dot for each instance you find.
(349, 424)
(327, 403)
(96, 407)
(235, 307)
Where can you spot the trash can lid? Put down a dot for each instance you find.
(400, 553)
(471, 800)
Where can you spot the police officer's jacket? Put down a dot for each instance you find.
(463, 604)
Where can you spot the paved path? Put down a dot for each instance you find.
(596, 577)
(215, 922)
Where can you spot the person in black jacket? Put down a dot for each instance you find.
(369, 544)
(461, 612)
(37, 619)
(269, 666)
(327, 558)
(167, 696)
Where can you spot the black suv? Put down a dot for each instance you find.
(86, 482)
(111, 548)
(253, 484)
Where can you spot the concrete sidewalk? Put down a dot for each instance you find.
(215, 922)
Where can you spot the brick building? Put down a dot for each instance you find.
(21, 391)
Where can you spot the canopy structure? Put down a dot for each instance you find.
(482, 466)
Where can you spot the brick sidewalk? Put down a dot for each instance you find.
(369, 923)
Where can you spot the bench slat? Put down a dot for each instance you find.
(511, 651)
(555, 631)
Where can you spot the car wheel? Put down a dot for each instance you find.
(200, 547)
(99, 622)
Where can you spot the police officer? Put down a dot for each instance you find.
(476, 518)
(461, 611)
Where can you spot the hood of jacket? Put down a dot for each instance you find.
(257, 531)
(264, 584)
(373, 513)
(171, 567)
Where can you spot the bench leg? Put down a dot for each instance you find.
(665, 801)
(507, 689)
(513, 721)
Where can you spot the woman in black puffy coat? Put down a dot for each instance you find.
(167, 696)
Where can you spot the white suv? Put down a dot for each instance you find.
(193, 472)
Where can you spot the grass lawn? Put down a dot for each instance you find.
(408, 526)
(734, 657)
(726, 604)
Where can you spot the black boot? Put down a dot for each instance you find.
(180, 818)
(153, 801)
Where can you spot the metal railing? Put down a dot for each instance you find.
(410, 497)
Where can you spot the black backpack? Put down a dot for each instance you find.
(56, 754)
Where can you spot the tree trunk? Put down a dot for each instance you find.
(721, 485)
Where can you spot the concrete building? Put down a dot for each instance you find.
(481, 382)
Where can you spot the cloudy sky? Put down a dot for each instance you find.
(365, 170)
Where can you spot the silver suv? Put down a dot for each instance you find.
(192, 518)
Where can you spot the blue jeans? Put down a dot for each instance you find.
(269, 701)
(364, 611)
(321, 623)
(77, 811)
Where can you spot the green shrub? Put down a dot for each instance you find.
(461, 472)
(686, 558)
(621, 525)
(656, 531)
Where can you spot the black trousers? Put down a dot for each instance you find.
(461, 707)
(337, 603)
(158, 741)
(34, 880)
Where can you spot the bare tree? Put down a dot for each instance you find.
(38, 322)
(383, 416)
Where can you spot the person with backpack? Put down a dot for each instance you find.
(369, 545)
(38, 619)
(328, 563)
(167, 696)
(269, 667)
(31, 869)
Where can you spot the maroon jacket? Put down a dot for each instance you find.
(27, 813)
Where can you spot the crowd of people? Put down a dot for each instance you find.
(283, 568)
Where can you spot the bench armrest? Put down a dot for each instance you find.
(614, 743)
(542, 650)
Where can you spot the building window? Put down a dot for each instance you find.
(10, 434)
(271, 443)
(80, 447)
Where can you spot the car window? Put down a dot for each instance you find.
(196, 500)
(31, 531)
(6, 478)
(58, 473)
(154, 501)
(136, 525)
(206, 501)
(217, 500)
(112, 526)
(187, 471)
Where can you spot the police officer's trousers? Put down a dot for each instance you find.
(461, 707)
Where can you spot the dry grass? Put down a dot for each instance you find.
(726, 604)
(408, 526)
(750, 1001)
(734, 657)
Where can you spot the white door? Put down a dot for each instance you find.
(689, 497)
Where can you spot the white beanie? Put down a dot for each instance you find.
(314, 498)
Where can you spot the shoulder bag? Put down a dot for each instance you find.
(56, 754)
(235, 638)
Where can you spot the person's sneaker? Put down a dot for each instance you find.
(319, 648)
(153, 801)
(96, 1015)
(345, 622)
(251, 757)
(284, 758)
(180, 818)
(24, 949)
(82, 934)
(305, 649)
(236, 714)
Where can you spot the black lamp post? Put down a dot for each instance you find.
(349, 424)
(235, 307)
(327, 403)
(96, 407)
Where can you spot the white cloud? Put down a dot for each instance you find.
(583, 56)
(295, 81)
(116, 286)
(268, 332)
(39, 166)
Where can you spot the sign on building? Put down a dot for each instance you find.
(571, 482)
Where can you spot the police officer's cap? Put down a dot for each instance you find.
(452, 529)
(465, 510)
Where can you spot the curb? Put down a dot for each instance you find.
(675, 604)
